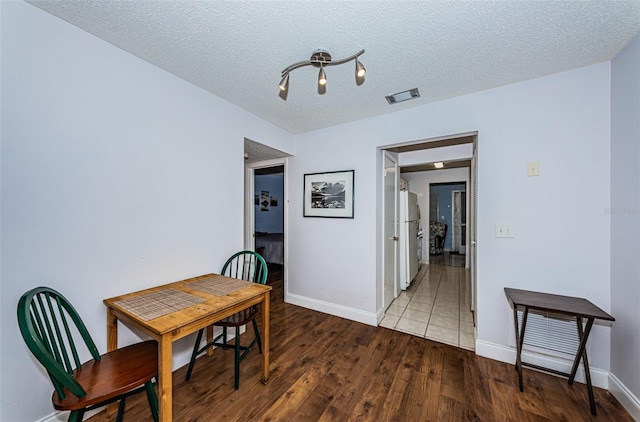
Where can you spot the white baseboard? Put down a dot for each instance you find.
(599, 377)
(55, 417)
(369, 318)
(59, 416)
(625, 397)
(380, 316)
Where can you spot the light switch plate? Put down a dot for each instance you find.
(533, 169)
(505, 230)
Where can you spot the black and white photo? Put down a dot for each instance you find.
(329, 194)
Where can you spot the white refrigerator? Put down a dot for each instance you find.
(408, 238)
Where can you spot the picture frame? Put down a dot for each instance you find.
(264, 200)
(329, 194)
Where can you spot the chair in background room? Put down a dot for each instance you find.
(51, 326)
(437, 236)
(244, 265)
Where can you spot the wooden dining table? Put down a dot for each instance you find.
(172, 311)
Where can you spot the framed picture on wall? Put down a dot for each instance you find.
(329, 194)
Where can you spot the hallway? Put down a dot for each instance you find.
(436, 306)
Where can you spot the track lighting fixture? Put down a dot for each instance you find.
(321, 59)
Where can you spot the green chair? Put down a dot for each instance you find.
(51, 326)
(244, 265)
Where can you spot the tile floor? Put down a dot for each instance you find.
(435, 306)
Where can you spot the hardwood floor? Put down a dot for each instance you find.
(331, 369)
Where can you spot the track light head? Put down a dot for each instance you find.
(322, 77)
(284, 83)
(360, 70)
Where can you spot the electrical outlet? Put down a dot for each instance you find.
(505, 230)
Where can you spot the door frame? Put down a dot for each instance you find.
(385, 294)
(472, 225)
(456, 195)
(249, 211)
(472, 206)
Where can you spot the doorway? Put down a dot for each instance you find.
(266, 215)
(438, 304)
(447, 224)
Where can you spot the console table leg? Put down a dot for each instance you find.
(520, 342)
(582, 352)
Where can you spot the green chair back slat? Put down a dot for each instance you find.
(246, 265)
(46, 319)
(72, 345)
(61, 352)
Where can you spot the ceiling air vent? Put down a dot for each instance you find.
(403, 96)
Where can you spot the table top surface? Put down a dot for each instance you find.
(556, 303)
(186, 300)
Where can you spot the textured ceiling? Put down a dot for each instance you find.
(237, 49)
(255, 151)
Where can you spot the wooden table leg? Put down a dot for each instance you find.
(582, 353)
(112, 344)
(165, 379)
(209, 332)
(266, 303)
(520, 342)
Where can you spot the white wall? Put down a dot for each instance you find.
(332, 261)
(624, 210)
(116, 176)
(562, 121)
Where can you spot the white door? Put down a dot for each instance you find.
(390, 204)
(412, 235)
(473, 199)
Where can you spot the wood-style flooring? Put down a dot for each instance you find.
(332, 369)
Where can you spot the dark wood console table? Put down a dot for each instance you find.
(567, 305)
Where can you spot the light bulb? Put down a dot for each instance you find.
(322, 77)
(360, 70)
(284, 83)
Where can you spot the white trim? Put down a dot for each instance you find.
(249, 211)
(56, 417)
(624, 396)
(427, 140)
(380, 316)
(599, 377)
(396, 288)
(369, 318)
(60, 416)
(249, 222)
